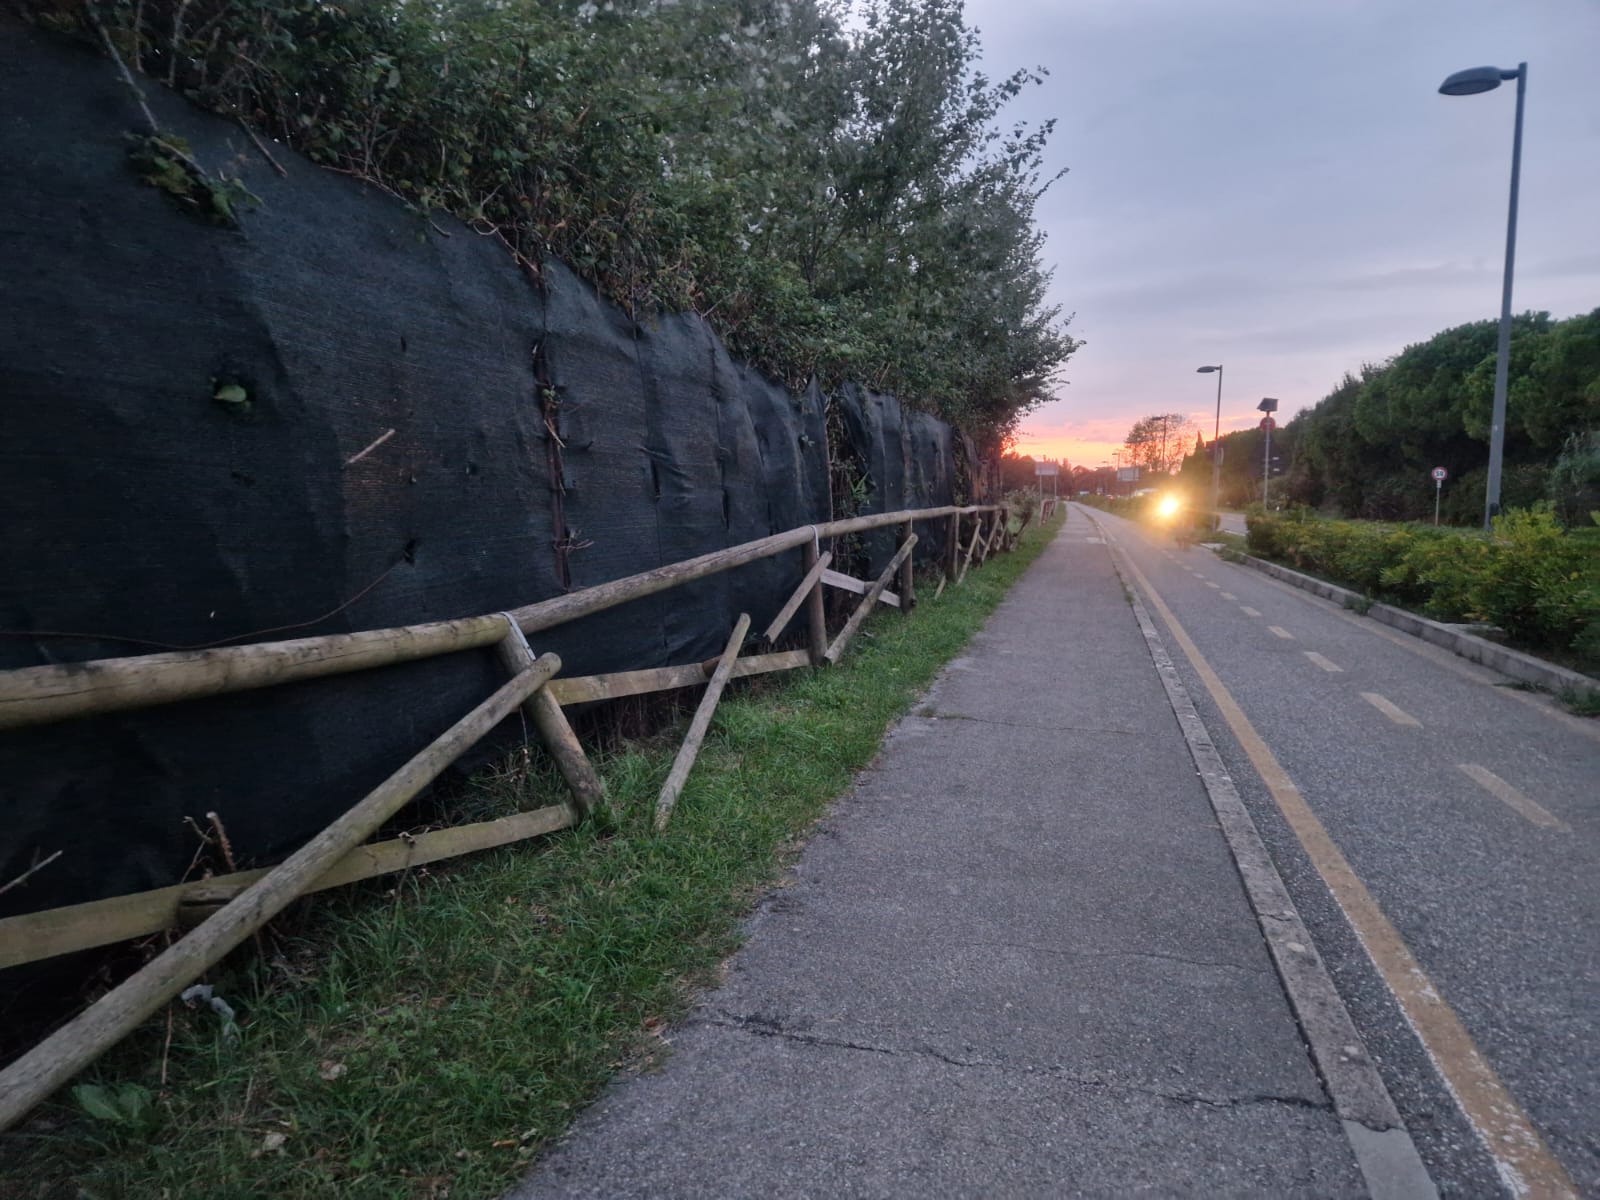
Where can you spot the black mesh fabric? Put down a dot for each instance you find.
(136, 506)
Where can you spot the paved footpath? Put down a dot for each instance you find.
(1015, 960)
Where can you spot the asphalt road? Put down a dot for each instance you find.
(1015, 960)
(1469, 814)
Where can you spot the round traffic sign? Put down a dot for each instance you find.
(1268, 423)
(1440, 474)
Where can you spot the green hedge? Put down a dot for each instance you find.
(1528, 577)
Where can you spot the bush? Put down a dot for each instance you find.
(1532, 581)
(1529, 577)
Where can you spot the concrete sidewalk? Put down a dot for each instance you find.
(1015, 960)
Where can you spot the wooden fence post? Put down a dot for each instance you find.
(836, 651)
(977, 537)
(679, 775)
(908, 572)
(588, 792)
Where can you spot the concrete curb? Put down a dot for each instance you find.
(1385, 1153)
(1512, 663)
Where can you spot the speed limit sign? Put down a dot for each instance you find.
(1440, 474)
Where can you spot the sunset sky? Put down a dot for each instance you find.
(1280, 188)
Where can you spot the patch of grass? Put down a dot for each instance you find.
(427, 1036)
(1234, 546)
(1583, 704)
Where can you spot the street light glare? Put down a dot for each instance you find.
(1474, 80)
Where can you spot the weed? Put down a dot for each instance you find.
(1583, 703)
(164, 162)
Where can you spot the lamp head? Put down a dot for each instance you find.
(1474, 80)
(1206, 370)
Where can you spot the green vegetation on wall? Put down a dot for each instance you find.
(840, 202)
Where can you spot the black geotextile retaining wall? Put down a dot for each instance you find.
(140, 510)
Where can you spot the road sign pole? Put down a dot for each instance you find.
(1438, 486)
(1266, 463)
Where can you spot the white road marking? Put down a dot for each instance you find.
(1331, 668)
(1282, 632)
(1210, 584)
(1396, 714)
(1248, 611)
(1229, 596)
(1512, 798)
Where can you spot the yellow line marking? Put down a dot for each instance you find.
(1513, 798)
(1248, 611)
(1281, 632)
(1331, 668)
(1391, 710)
(1525, 1164)
(1229, 596)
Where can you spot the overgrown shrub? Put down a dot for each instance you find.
(1532, 581)
(1574, 482)
(839, 199)
(1528, 577)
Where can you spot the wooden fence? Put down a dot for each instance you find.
(221, 912)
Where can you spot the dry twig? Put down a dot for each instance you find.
(38, 866)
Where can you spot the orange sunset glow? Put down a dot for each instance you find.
(1094, 441)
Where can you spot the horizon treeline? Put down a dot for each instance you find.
(1367, 447)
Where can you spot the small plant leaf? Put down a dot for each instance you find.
(231, 393)
(98, 1102)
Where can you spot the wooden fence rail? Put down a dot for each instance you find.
(228, 909)
(38, 695)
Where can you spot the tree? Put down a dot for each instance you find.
(1159, 443)
(841, 200)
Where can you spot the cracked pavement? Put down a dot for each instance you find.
(1016, 959)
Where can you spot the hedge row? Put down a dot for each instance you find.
(1529, 577)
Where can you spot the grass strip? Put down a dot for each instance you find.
(427, 1038)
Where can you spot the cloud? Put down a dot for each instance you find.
(1280, 188)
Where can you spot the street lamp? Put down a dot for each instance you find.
(1216, 453)
(1469, 83)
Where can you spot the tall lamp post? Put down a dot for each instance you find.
(1216, 449)
(1469, 83)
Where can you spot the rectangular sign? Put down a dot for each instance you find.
(1046, 469)
(1128, 474)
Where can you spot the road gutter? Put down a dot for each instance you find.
(1384, 1151)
